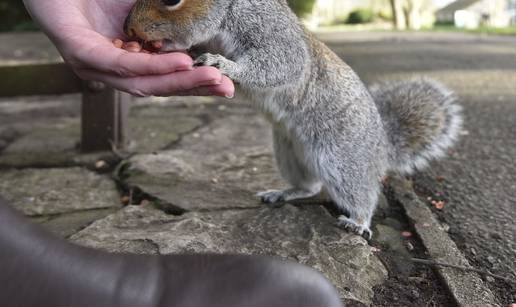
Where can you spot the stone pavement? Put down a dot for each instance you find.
(196, 164)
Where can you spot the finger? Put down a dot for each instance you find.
(165, 85)
(225, 89)
(107, 58)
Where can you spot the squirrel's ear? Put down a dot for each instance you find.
(173, 5)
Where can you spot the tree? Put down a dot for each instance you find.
(398, 15)
(301, 7)
(407, 13)
(414, 8)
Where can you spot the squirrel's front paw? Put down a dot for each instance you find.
(214, 60)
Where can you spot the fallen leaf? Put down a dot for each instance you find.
(406, 234)
(125, 200)
(439, 205)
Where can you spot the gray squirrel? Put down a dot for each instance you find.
(329, 129)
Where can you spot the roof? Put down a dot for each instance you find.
(457, 5)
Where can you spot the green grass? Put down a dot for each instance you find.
(437, 28)
(485, 30)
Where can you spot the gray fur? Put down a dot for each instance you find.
(328, 130)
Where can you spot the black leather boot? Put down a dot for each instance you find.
(38, 269)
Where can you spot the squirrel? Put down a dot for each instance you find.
(329, 129)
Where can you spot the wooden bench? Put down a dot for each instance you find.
(30, 65)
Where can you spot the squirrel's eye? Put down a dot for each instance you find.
(172, 4)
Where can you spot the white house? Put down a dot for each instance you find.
(475, 13)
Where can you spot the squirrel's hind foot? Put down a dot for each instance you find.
(352, 225)
(278, 196)
(271, 196)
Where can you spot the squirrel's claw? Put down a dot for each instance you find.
(352, 225)
(218, 61)
(271, 196)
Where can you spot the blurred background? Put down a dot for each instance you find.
(497, 16)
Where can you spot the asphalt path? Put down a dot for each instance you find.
(478, 179)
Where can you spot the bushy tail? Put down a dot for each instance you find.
(421, 118)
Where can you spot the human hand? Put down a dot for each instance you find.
(83, 31)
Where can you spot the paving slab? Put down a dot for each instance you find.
(46, 144)
(222, 165)
(56, 143)
(57, 190)
(66, 224)
(306, 234)
(212, 174)
(151, 132)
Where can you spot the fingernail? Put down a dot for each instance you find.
(210, 82)
(184, 68)
(230, 96)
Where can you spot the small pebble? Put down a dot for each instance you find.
(490, 279)
(255, 169)
(410, 247)
(415, 294)
(145, 202)
(100, 164)
(196, 135)
(491, 259)
(473, 251)
(446, 227)
(406, 234)
(214, 180)
(496, 235)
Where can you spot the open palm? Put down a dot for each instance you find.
(83, 31)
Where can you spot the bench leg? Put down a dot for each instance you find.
(104, 118)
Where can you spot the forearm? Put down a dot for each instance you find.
(260, 69)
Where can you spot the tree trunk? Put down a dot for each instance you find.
(414, 21)
(398, 16)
